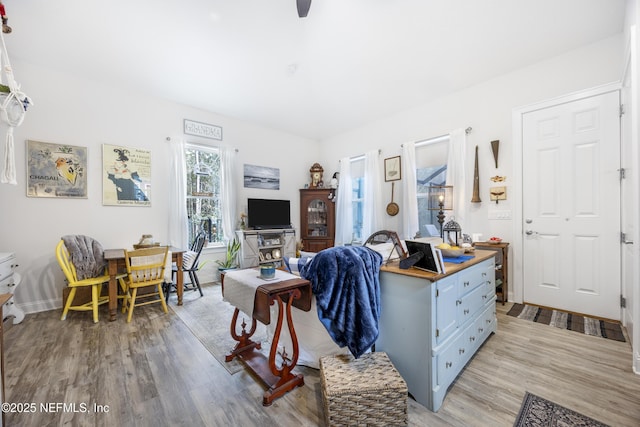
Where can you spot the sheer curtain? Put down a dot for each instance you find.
(373, 203)
(455, 172)
(178, 227)
(409, 207)
(344, 207)
(228, 191)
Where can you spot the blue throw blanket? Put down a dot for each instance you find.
(346, 283)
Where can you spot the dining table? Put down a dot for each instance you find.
(116, 264)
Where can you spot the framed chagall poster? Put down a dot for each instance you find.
(126, 177)
(56, 170)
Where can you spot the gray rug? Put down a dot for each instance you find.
(209, 318)
(539, 412)
(565, 320)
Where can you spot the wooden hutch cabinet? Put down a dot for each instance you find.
(317, 219)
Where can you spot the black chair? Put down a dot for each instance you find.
(190, 264)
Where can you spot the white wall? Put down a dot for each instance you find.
(77, 111)
(487, 108)
(80, 112)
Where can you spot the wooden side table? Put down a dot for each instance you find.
(502, 267)
(279, 380)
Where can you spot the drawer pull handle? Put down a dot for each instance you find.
(458, 302)
(484, 274)
(466, 283)
(480, 330)
(466, 311)
(448, 364)
(472, 339)
(461, 351)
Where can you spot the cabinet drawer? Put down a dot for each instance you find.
(449, 362)
(7, 285)
(6, 267)
(471, 303)
(471, 278)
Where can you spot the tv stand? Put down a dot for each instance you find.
(266, 246)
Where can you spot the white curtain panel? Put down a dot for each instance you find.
(344, 208)
(228, 191)
(178, 227)
(456, 173)
(373, 203)
(409, 206)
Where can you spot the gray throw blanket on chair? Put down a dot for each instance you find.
(86, 254)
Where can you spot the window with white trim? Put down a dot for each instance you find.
(203, 192)
(431, 169)
(357, 197)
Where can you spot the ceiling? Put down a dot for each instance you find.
(348, 63)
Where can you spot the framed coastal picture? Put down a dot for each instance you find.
(126, 176)
(261, 177)
(56, 170)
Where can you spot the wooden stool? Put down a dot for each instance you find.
(364, 391)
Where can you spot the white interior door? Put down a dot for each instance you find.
(571, 200)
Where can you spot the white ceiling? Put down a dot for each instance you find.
(348, 63)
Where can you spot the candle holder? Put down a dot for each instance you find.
(440, 198)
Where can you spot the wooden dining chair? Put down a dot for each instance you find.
(190, 265)
(145, 269)
(71, 275)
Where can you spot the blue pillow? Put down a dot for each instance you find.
(295, 264)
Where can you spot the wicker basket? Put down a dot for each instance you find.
(364, 391)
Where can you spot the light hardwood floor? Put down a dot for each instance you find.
(154, 372)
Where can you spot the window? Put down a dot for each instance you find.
(357, 197)
(431, 169)
(203, 192)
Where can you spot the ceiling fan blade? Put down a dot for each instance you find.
(303, 7)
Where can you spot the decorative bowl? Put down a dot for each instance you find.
(494, 240)
(452, 253)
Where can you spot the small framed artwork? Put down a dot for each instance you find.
(126, 176)
(56, 170)
(392, 169)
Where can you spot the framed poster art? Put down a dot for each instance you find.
(56, 170)
(392, 169)
(126, 176)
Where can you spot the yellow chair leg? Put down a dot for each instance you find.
(132, 303)
(95, 295)
(164, 304)
(72, 295)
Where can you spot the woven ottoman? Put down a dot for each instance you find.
(364, 391)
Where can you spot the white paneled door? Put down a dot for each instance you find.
(571, 200)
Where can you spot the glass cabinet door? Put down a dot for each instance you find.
(317, 218)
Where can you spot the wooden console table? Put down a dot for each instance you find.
(292, 291)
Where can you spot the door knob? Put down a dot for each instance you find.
(530, 232)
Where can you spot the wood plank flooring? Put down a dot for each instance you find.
(154, 372)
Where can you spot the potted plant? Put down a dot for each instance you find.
(231, 256)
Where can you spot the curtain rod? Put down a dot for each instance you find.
(360, 156)
(168, 139)
(437, 138)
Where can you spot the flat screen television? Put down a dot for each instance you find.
(268, 213)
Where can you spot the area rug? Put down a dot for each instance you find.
(564, 320)
(538, 412)
(209, 319)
